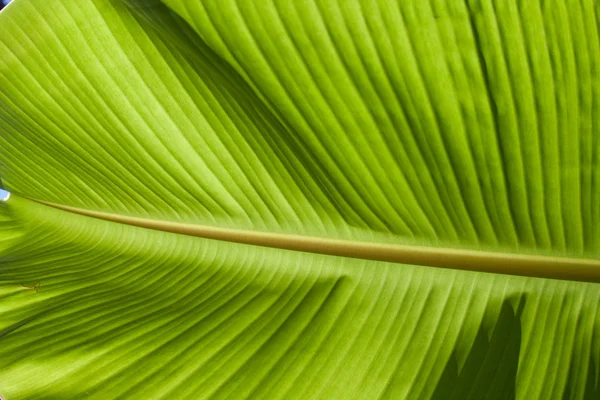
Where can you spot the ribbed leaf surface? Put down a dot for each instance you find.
(458, 124)
(125, 312)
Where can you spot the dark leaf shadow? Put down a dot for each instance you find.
(490, 370)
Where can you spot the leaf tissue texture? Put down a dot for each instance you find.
(468, 125)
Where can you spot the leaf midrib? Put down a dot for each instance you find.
(576, 269)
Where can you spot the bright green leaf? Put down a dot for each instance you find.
(426, 125)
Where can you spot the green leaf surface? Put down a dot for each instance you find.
(126, 312)
(468, 125)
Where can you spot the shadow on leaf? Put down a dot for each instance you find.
(490, 370)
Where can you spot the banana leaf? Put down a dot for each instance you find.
(313, 199)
